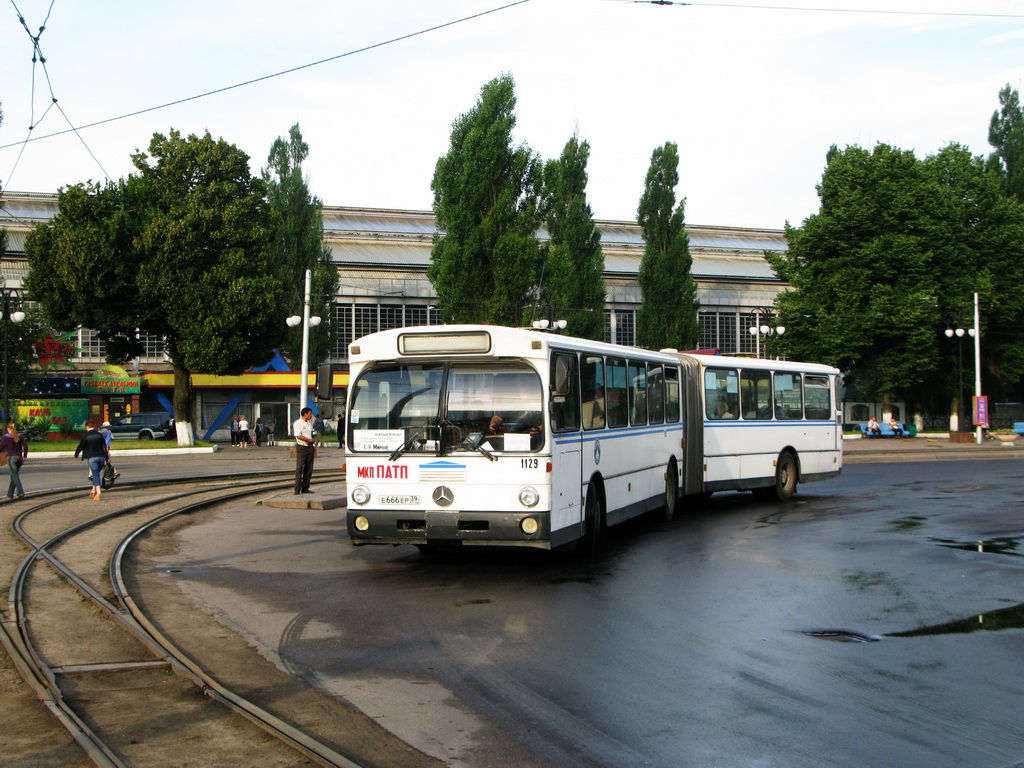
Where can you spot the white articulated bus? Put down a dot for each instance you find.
(484, 435)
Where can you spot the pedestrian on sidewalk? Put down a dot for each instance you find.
(243, 432)
(15, 447)
(305, 451)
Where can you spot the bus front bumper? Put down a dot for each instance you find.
(459, 527)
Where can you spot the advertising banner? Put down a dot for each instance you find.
(981, 411)
(58, 411)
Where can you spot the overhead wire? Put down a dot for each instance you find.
(353, 52)
(40, 59)
(832, 10)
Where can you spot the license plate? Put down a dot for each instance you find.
(408, 499)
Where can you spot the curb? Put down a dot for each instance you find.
(139, 452)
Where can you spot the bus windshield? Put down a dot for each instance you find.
(442, 408)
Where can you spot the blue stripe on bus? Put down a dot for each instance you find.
(767, 423)
(609, 434)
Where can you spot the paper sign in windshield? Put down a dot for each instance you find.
(378, 439)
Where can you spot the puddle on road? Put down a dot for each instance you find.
(1006, 545)
(993, 621)
(908, 523)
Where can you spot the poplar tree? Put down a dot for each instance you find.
(1006, 134)
(296, 244)
(486, 256)
(572, 283)
(668, 315)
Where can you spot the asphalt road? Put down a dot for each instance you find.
(861, 624)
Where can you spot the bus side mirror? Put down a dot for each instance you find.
(563, 377)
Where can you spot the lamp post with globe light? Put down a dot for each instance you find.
(764, 328)
(307, 323)
(12, 314)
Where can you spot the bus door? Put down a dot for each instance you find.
(566, 449)
(693, 428)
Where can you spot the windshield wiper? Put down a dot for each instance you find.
(433, 421)
(465, 441)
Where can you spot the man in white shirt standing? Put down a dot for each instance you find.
(304, 450)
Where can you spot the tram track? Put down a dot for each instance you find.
(89, 654)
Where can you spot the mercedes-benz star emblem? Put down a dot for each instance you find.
(443, 496)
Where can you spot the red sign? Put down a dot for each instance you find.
(56, 350)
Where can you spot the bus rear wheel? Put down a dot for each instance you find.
(671, 492)
(785, 477)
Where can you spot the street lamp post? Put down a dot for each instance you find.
(763, 327)
(975, 333)
(15, 316)
(977, 363)
(307, 323)
(955, 328)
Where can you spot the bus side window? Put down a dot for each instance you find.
(593, 393)
(615, 390)
(672, 410)
(817, 397)
(788, 396)
(656, 394)
(637, 393)
(721, 393)
(565, 393)
(756, 393)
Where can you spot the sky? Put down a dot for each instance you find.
(753, 93)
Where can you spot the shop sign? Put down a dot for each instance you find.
(56, 351)
(111, 380)
(58, 411)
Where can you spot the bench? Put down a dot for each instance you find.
(886, 431)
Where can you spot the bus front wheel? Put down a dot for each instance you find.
(593, 524)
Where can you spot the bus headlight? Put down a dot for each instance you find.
(361, 524)
(529, 525)
(528, 496)
(360, 494)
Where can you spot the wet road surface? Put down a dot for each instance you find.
(861, 624)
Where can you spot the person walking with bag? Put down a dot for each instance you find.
(14, 447)
(93, 448)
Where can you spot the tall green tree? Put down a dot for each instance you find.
(668, 315)
(19, 340)
(1006, 134)
(486, 256)
(572, 282)
(895, 252)
(179, 250)
(296, 243)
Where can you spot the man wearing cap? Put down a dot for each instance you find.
(107, 435)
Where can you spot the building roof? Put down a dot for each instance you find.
(381, 240)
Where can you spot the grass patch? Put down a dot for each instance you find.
(118, 446)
